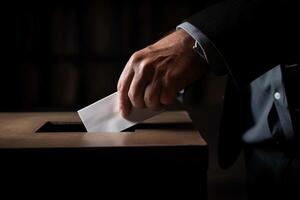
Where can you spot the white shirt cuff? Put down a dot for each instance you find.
(212, 55)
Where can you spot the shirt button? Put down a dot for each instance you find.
(277, 95)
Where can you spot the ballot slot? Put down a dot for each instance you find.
(68, 127)
(59, 126)
(71, 127)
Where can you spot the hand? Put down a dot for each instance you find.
(153, 76)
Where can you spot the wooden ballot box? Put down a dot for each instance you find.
(162, 155)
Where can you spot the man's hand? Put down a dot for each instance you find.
(153, 76)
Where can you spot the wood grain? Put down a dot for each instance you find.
(18, 130)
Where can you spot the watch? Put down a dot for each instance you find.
(199, 50)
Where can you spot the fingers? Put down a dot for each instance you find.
(153, 92)
(149, 80)
(169, 89)
(123, 88)
(124, 101)
(132, 83)
(167, 96)
(143, 74)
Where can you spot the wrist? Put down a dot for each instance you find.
(191, 43)
(186, 39)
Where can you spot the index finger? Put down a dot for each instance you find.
(124, 83)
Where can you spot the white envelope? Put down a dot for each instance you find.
(104, 116)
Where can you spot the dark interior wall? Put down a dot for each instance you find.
(63, 55)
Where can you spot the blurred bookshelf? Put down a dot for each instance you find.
(64, 55)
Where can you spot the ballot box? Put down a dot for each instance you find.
(164, 155)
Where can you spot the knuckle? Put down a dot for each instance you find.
(131, 95)
(121, 88)
(148, 100)
(136, 56)
(151, 101)
(134, 97)
(145, 66)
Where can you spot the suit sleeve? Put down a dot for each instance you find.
(252, 35)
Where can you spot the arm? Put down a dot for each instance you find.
(251, 35)
(153, 76)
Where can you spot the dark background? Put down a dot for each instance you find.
(61, 55)
(64, 55)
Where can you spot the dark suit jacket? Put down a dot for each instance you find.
(253, 36)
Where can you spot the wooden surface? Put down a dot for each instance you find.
(164, 157)
(18, 130)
